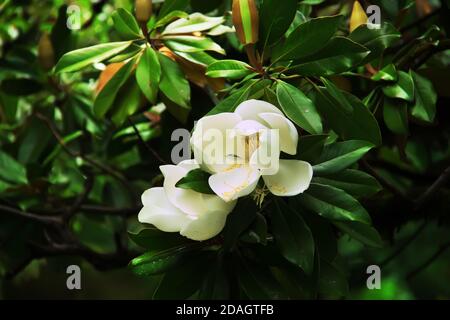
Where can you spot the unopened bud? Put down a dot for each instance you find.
(46, 54)
(246, 21)
(358, 17)
(143, 10)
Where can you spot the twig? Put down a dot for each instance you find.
(431, 191)
(48, 220)
(420, 21)
(80, 199)
(149, 148)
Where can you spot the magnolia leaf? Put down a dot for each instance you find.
(232, 69)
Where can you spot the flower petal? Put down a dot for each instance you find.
(250, 109)
(235, 183)
(205, 227)
(188, 201)
(213, 131)
(288, 132)
(266, 157)
(292, 178)
(160, 212)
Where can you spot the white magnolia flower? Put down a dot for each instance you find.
(195, 215)
(247, 133)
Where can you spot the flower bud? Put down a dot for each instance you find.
(246, 21)
(358, 16)
(143, 10)
(46, 54)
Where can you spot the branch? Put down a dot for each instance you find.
(43, 219)
(428, 262)
(418, 22)
(431, 191)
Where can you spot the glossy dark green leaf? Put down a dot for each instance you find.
(231, 69)
(339, 55)
(402, 89)
(173, 82)
(332, 282)
(216, 285)
(152, 263)
(308, 38)
(157, 240)
(339, 156)
(11, 170)
(395, 114)
(388, 73)
(299, 108)
(238, 221)
(148, 74)
(105, 99)
(126, 103)
(361, 232)
(257, 232)
(292, 236)
(333, 204)
(355, 182)
(196, 180)
(81, 58)
(310, 147)
(376, 40)
(275, 19)
(424, 107)
(192, 44)
(126, 25)
(347, 115)
(257, 282)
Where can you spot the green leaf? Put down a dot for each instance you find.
(126, 103)
(232, 69)
(157, 240)
(216, 285)
(332, 282)
(388, 73)
(186, 279)
(333, 204)
(257, 282)
(81, 58)
(376, 40)
(293, 236)
(173, 82)
(126, 25)
(177, 14)
(238, 221)
(105, 99)
(195, 22)
(425, 106)
(257, 233)
(275, 19)
(299, 108)
(355, 182)
(310, 147)
(339, 55)
(152, 263)
(192, 44)
(11, 170)
(196, 180)
(402, 89)
(172, 5)
(361, 232)
(148, 74)
(308, 38)
(395, 114)
(339, 156)
(347, 115)
(202, 58)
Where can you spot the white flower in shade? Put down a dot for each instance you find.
(195, 215)
(247, 136)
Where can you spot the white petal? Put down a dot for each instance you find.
(235, 183)
(213, 131)
(160, 212)
(292, 178)
(188, 201)
(205, 227)
(250, 109)
(288, 132)
(248, 127)
(266, 156)
(189, 165)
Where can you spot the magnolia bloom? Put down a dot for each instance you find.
(195, 215)
(247, 136)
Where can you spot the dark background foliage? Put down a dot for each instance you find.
(70, 183)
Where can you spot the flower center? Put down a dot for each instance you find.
(251, 144)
